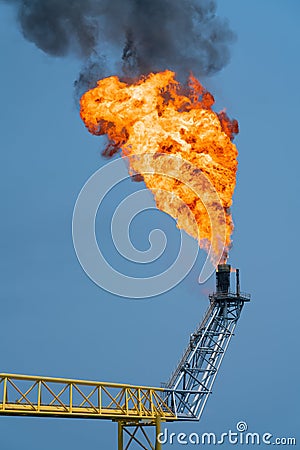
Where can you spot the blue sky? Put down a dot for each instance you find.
(56, 322)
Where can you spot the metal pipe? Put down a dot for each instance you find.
(158, 445)
(238, 289)
(120, 436)
(223, 278)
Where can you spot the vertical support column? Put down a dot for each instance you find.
(158, 445)
(120, 435)
(4, 392)
(39, 399)
(70, 397)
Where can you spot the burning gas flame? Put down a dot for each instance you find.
(156, 115)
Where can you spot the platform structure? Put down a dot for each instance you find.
(138, 410)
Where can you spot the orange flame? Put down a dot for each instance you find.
(156, 115)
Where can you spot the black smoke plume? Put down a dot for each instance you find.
(150, 35)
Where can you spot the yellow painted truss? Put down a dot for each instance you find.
(60, 397)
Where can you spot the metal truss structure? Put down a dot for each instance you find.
(138, 409)
(60, 397)
(189, 387)
(137, 433)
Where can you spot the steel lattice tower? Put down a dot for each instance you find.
(191, 383)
